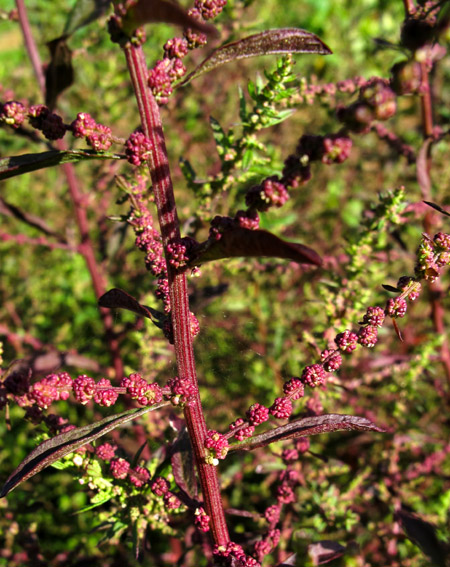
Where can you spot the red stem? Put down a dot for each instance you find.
(30, 44)
(167, 214)
(437, 291)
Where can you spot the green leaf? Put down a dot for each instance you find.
(270, 42)
(18, 165)
(58, 447)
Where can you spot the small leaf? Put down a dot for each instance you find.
(391, 288)
(307, 426)
(397, 329)
(118, 299)
(183, 466)
(58, 447)
(423, 534)
(270, 42)
(437, 207)
(243, 242)
(18, 165)
(59, 72)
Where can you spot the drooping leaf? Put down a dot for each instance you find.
(18, 165)
(183, 466)
(243, 242)
(423, 534)
(307, 426)
(437, 208)
(118, 299)
(58, 447)
(59, 73)
(270, 42)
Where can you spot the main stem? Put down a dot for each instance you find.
(181, 321)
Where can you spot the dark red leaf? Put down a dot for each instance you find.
(423, 534)
(118, 299)
(397, 329)
(307, 426)
(183, 466)
(243, 242)
(270, 42)
(58, 447)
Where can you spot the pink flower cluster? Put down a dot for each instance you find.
(96, 135)
(139, 389)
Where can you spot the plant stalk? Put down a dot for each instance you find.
(181, 321)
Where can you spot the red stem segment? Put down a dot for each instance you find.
(30, 44)
(167, 214)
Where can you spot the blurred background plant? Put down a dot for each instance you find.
(262, 320)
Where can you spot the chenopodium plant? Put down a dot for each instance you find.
(149, 496)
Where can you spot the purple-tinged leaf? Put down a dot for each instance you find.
(423, 534)
(243, 242)
(290, 561)
(325, 551)
(17, 165)
(118, 299)
(58, 447)
(307, 426)
(437, 208)
(270, 42)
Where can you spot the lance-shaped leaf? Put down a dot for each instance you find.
(424, 535)
(243, 242)
(58, 447)
(325, 551)
(17, 165)
(270, 42)
(307, 426)
(118, 299)
(437, 208)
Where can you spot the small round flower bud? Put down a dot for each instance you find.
(396, 307)
(137, 148)
(105, 452)
(272, 514)
(216, 445)
(285, 494)
(289, 455)
(281, 408)
(202, 520)
(442, 240)
(374, 316)
(243, 433)
(105, 395)
(12, 113)
(314, 375)
(368, 336)
(303, 444)
(119, 468)
(159, 486)
(83, 388)
(331, 360)
(346, 341)
(294, 388)
(139, 476)
(257, 414)
(171, 501)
